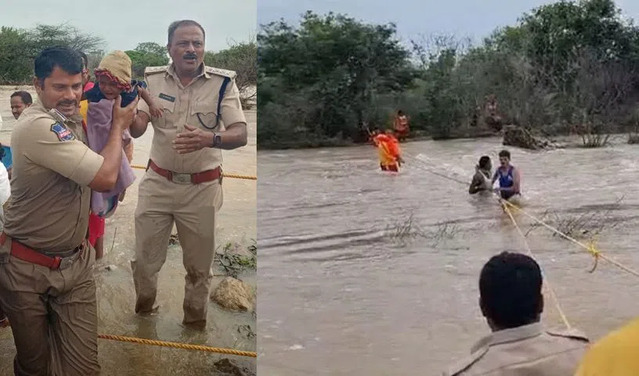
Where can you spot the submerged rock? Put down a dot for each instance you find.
(234, 295)
(228, 367)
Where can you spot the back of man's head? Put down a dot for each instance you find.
(510, 290)
(484, 162)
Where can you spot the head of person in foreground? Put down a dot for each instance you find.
(510, 291)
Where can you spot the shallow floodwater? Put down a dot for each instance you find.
(343, 290)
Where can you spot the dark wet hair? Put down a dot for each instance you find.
(504, 153)
(26, 97)
(174, 26)
(67, 59)
(510, 289)
(484, 161)
(400, 112)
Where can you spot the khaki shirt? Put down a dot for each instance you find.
(52, 167)
(525, 351)
(195, 105)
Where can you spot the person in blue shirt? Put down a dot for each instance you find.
(508, 176)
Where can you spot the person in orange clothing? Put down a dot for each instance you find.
(389, 152)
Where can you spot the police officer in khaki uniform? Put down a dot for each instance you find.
(512, 302)
(201, 114)
(46, 268)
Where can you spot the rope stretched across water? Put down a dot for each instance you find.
(547, 284)
(590, 248)
(507, 208)
(546, 280)
(225, 174)
(178, 345)
(596, 253)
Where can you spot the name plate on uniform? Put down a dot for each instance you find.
(167, 97)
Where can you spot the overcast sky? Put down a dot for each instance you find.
(463, 18)
(224, 21)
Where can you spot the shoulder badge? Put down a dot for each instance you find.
(569, 333)
(63, 133)
(154, 70)
(221, 72)
(466, 362)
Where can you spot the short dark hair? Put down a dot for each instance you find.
(504, 153)
(176, 24)
(69, 60)
(484, 161)
(26, 97)
(510, 289)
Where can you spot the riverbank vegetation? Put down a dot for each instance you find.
(563, 68)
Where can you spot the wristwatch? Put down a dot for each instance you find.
(217, 140)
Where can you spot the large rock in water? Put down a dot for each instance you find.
(522, 138)
(234, 295)
(494, 122)
(227, 367)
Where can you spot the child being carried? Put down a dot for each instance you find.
(114, 79)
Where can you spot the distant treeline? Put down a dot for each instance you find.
(19, 47)
(561, 67)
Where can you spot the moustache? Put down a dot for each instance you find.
(190, 57)
(68, 103)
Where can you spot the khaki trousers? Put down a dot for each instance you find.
(53, 315)
(193, 207)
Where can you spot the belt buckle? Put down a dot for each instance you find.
(181, 178)
(65, 262)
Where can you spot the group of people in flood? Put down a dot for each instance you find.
(508, 176)
(511, 300)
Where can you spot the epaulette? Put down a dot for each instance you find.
(466, 362)
(569, 333)
(153, 70)
(221, 72)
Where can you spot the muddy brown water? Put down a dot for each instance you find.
(237, 224)
(340, 295)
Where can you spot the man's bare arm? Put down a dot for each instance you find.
(474, 185)
(516, 180)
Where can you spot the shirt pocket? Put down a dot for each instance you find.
(204, 114)
(168, 118)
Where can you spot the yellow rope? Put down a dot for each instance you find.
(226, 175)
(553, 296)
(236, 176)
(546, 280)
(590, 248)
(178, 345)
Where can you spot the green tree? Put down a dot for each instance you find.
(147, 54)
(241, 58)
(18, 48)
(320, 78)
(15, 65)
